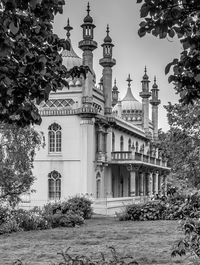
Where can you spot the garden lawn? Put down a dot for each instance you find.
(149, 242)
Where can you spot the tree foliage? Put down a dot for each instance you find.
(17, 150)
(181, 144)
(30, 56)
(179, 18)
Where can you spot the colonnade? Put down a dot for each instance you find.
(146, 182)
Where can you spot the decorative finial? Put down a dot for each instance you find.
(145, 70)
(88, 8)
(107, 30)
(154, 79)
(115, 82)
(68, 28)
(129, 80)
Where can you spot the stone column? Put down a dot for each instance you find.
(141, 181)
(156, 183)
(132, 183)
(150, 184)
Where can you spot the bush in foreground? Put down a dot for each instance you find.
(69, 213)
(172, 208)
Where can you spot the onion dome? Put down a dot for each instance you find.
(115, 85)
(155, 85)
(70, 58)
(129, 102)
(88, 18)
(131, 108)
(145, 76)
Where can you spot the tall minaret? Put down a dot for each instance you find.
(155, 102)
(88, 45)
(107, 62)
(115, 93)
(145, 94)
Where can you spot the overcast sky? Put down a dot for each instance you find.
(131, 52)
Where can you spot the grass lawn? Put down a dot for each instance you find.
(148, 242)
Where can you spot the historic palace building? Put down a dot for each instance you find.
(97, 145)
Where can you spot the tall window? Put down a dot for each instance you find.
(121, 143)
(54, 185)
(55, 138)
(129, 144)
(113, 142)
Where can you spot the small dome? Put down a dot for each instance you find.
(129, 104)
(88, 19)
(107, 39)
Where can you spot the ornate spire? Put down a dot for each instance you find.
(155, 85)
(129, 80)
(115, 82)
(88, 8)
(68, 28)
(145, 77)
(108, 39)
(129, 95)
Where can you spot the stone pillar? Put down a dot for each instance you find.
(132, 183)
(156, 183)
(150, 184)
(141, 181)
(159, 184)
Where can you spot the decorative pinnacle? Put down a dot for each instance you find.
(145, 70)
(107, 30)
(68, 28)
(154, 79)
(129, 80)
(88, 8)
(115, 82)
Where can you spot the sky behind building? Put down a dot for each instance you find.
(131, 52)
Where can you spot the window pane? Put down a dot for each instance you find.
(51, 141)
(58, 141)
(51, 189)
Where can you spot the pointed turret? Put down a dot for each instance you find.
(145, 94)
(115, 92)
(88, 45)
(155, 102)
(107, 62)
(70, 58)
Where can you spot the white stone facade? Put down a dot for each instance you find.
(91, 150)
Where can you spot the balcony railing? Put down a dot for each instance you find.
(123, 156)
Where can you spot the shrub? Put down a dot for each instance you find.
(30, 220)
(142, 212)
(70, 219)
(175, 207)
(9, 226)
(190, 245)
(81, 204)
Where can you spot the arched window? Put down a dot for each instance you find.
(136, 147)
(113, 142)
(54, 185)
(98, 185)
(55, 138)
(129, 144)
(121, 143)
